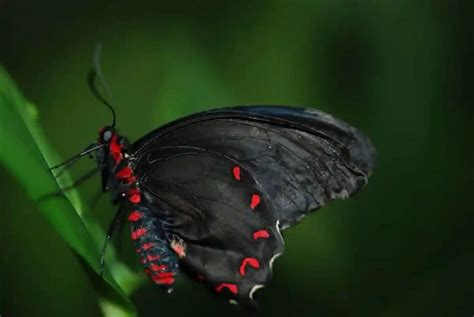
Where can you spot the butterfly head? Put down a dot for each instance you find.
(111, 154)
(111, 141)
(112, 145)
(106, 134)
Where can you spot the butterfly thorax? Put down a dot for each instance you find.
(118, 176)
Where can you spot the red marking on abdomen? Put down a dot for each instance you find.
(125, 172)
(115, 149)
(152, 258)
(134, 196)
(134, 216)
(155, 267)
(147, 246)
(166, 280)
(126, 175)
(138, 233)
(131, 179)
(165, 274)
(236, 172)
(229, 286)
(253, 262)
(255, 201)
(261, 234)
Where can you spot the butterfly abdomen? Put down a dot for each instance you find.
(159, 261)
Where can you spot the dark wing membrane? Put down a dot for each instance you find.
(227, 241)
(299, 159)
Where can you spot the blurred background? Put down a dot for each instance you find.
(398, 70)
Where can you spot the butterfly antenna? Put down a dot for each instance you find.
(95, 74)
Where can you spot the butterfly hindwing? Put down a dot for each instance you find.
(227, 240)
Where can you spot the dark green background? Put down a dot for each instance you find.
(399, 70)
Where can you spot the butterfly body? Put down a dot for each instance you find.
(210, 193)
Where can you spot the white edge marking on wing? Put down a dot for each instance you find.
(273, 259)
(254, 289)
(277, 226)
(276, 255)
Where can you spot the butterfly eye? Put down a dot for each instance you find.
(107, 135)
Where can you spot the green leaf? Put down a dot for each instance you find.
(28, 156)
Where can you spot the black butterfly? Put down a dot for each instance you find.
(209, 194)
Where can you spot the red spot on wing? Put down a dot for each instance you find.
(147, 246)
(261, 234)
(253, 262)
(134, 196)
(236, 172)
(255, 201)
(138, 233)
(180, 251)
(229, 286)
(178, 247)
(134, 216)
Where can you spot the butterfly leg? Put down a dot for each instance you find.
(113, 225)
(81, 179)
(76, 183)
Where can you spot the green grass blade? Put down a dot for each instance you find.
(27, 155)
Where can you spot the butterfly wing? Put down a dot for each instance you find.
(230, 179)
(299, 158)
